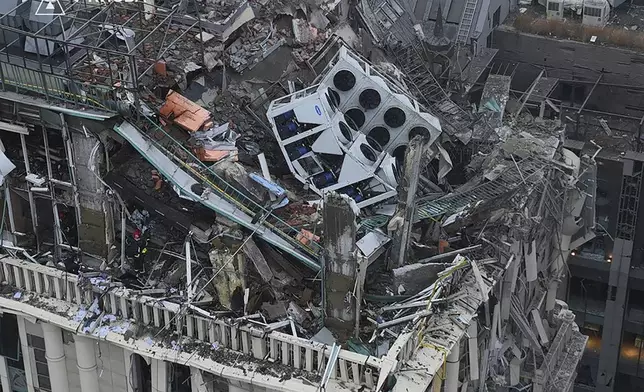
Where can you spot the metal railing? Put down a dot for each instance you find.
(524, 173)
(53, 87)
(298, 353)
(207, 176)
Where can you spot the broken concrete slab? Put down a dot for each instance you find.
(416, 277)
(204, 37)
(275, 311)
(324, 336)
(251, 250)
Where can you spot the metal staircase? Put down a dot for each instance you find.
(465, 26)
(524, 173)
(411, 60)
(179, 166)
(504, 183)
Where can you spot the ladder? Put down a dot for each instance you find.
(467, 19)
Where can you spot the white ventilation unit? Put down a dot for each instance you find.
(393, 117)
(388, 173)
(422, 124)
(596, 12)
(554, 9)
(297, 119)
(315, 105)
(343, 134)
(336, 139)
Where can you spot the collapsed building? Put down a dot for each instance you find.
(353, 225)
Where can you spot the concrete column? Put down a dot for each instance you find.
(94, 231)
(197, 382)
(340, 264)
(627, 237)
(26, 353)
(4, 375)
(451, 371)
(131, 375)
(407, 201)
(159, 375)
(86, 361)
(55, 354)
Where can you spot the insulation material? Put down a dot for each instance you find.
(6, 167)
(530, 253)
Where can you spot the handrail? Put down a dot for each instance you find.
(50, 85)
(230, 193)
(301, 354)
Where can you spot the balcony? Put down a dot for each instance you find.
(95, 306)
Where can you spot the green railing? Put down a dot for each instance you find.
(53, 87)
(220, 187)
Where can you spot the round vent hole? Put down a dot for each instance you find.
(395, 117)
(357, 116)
(419, 131)
(334, 98)
(369, 99)
(368, 152)
(378, 137)
(346, 132)
(344, 80)
(396, 172)
(399, 154)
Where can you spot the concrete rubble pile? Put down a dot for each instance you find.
(269, 218)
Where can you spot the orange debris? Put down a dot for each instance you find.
(184, 112)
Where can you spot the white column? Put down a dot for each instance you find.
(451, 377)
(86, 361)
(26, 353)
(237, 386)
(197, 383)
(4, 375)
(55, 354)
(131, 375)
(159, 375)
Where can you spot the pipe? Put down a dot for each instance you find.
(55, 354)
(453, 362)
(123, 228)
(188, 268)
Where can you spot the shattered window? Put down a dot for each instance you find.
(553, 6)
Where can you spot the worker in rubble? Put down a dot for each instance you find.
(157, 179)
(137, 249)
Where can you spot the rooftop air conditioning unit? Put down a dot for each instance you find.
(333, 139)
(554, 9)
